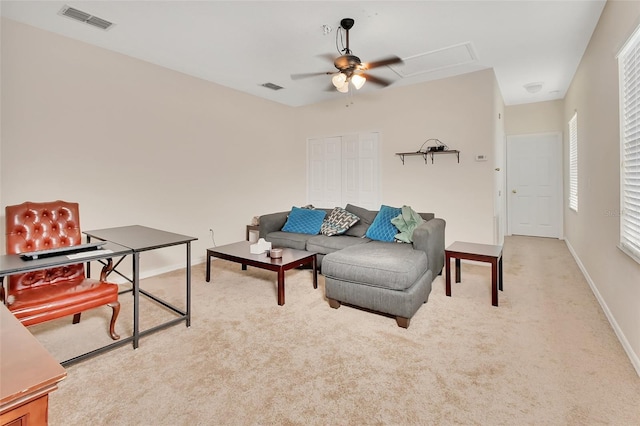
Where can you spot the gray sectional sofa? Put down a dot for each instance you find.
(387, 277)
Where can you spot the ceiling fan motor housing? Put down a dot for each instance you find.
(347, 62)
(347, 23)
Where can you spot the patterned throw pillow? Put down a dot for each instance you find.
(304, 221)
(338, 221)
(382, 229)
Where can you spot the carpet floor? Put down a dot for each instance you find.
(546, 356)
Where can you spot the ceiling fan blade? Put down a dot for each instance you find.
(376, 80)
(388, 61)
(308, 74)
(328, 56)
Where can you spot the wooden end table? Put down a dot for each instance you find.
(478, 252)
(241, 253)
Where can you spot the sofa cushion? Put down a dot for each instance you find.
(338, 221)
(325, 245)
(304, 221)
(366, 219)
(288, 239)
(382, 229)
(380, 264)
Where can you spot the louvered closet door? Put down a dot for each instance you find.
(325, 172)
(344, 169)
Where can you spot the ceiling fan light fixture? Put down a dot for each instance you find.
(344, 88)
(339, 80)
(358, 81)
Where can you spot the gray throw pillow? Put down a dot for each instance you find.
(366, 219)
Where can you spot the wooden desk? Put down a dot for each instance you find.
(28, 373)
(478, 252)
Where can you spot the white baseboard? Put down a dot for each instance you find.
(635, 361)
(153, 272)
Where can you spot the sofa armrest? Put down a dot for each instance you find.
(272, 222)
(429, 237)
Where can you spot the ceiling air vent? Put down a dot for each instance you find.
(85, 17)
(271, 86)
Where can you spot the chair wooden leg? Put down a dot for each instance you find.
(112, 326)
(403, 322)
(333, 303)
(76, 318)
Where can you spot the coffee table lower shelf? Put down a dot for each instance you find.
(240, 253)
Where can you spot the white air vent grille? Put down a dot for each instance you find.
(271, 86)
(85, 17)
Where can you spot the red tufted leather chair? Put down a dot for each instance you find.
(39, 296)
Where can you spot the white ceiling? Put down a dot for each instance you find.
(242, 44)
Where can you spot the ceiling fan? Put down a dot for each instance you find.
(350, 68)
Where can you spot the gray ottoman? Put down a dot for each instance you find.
(391, 278)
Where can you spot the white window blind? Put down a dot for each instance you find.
(629, 70)
(573, 162)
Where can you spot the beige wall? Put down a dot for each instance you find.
(538, 117)
(135, 143)
(593, 232)
(460, 111)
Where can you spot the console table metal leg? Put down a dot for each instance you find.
(188, 310)
(208, 276)
(136, 299)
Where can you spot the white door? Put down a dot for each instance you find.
(534, 184)
(325, 172)
(344, 169)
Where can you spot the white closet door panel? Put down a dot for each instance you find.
(350, 169)
(369, 171)
(344, 169)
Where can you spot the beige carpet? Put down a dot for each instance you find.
(545, 356)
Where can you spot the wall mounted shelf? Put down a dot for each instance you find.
(428, 154)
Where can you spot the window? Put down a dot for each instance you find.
(629, 75)
(573, 162)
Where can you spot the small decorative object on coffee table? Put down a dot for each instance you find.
(478, 252)
(289, 259)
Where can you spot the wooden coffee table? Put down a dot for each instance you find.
(240, 253)
(479, 252)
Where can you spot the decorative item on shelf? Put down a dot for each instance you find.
(255, 221)
(438, 147)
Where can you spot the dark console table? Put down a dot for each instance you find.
(139, 239)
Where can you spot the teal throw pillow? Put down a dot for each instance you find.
(338, 221)
(304, 221)
(382, 229)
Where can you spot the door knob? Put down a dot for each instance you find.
(514, 191)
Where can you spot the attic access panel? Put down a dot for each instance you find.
(460, 54)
